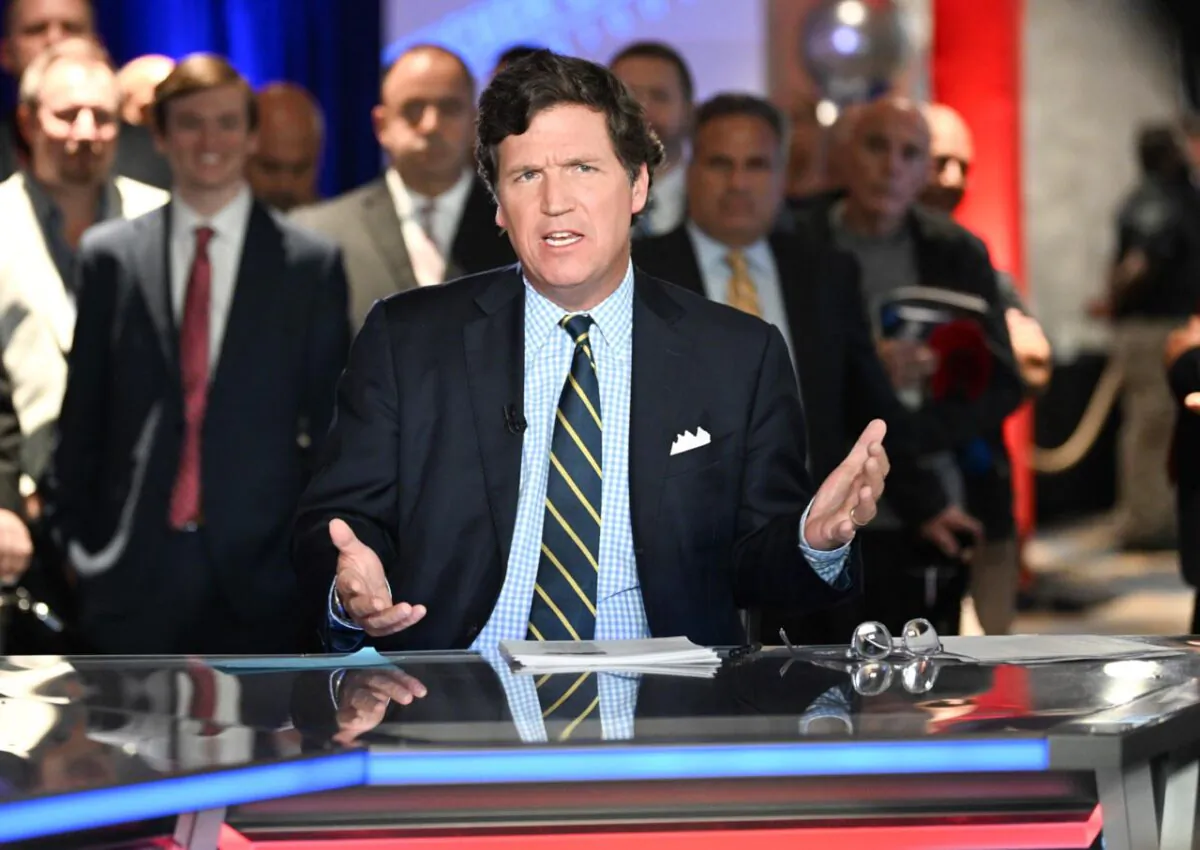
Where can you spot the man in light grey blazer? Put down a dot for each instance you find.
(69, 112)
(429, 219)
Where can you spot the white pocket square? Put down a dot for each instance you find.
(687, 441)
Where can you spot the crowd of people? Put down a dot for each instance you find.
(178, 306)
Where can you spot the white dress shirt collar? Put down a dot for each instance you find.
(613, 317)
(409, 202)
(227, 222)
(711, 254)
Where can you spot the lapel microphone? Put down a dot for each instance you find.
(514, 420)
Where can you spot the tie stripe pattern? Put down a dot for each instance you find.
(564, 596)
(568, 701)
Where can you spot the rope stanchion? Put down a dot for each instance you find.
(1059, 459)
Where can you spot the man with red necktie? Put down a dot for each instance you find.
(209, 340)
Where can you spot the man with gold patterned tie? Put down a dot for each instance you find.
(569, 448)
(735, 249)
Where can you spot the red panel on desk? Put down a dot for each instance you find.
(1015, 835)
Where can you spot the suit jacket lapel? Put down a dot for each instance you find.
(661, 370)
(470, 234)
(153, 259)
(802, 303)
(495, 351)
(383, 226)
(260, 268)
(678, 246)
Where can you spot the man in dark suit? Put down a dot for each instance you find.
(898, 244)
(727, 251)
(568, 449)
(429, 218)
(207, 347)
(1183, 374)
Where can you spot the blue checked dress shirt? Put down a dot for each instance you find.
(620, 614)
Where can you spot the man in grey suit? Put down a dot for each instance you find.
(429, 219)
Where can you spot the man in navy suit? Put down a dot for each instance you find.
(207, 348)
(568, 448)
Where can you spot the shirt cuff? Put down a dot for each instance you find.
(341, 634)
(831, 705)
(831, 565)
(337, 614)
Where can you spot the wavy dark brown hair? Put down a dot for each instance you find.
(544, 80)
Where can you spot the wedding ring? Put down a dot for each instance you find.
(854, 520)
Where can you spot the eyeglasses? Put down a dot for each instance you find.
(872, 641)
(871, 647)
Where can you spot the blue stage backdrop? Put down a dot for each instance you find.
(722, 40)
(331, 47)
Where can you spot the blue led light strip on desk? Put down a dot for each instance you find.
(636, 763)
(107, 806)
(80, 810)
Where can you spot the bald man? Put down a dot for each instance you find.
(429, 219)
(899, 244)
(291, 134)
(952, 150)
(137, 80)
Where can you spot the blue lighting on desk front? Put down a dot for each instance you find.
(81, 810)
(600, 764)
(49, 815)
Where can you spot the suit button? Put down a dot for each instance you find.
(472, 631)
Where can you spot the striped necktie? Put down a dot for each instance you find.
(570, 706)
(564, 595)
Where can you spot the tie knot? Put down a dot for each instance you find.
(204, 235)
(736, 260)
(577, 326)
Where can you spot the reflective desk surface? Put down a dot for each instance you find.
(117, 737)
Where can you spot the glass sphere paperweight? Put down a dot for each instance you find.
(920, 638)
(871, 641)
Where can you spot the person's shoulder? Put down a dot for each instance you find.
(1149, 209)
(658, 253)
(699, 316)
(340, 212)
(113, 236)
(302, 240)
(12, 189)
(936, 225)
(139, 198)
(454, 302)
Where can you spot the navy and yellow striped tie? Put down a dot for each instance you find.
(564, 596)
(570, 706)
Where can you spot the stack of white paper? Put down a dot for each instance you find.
(675, 656)
(1043, 649)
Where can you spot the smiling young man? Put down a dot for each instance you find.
(567, 448)
(208, 344)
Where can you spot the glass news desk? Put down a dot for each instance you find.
(779, 748)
